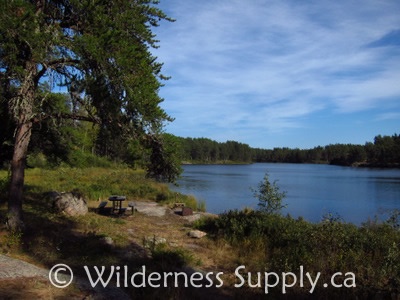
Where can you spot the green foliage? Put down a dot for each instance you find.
(4, 187)
(13, 239)
(93, 183)
(394, 219)
(98, 183)
(282, 244)
(201, 206)
(100, 53)
(37, 160)
(383, 152)
(331, 218)
(170, 259)
(269, 196)
(164, 164)
(204, 150)
(166, 196)
(80, 159)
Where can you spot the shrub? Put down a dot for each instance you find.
(264, 241)
(4, 186)
(269, 196)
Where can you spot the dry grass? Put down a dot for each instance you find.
(35, 288)
(53, 238)
(75, 241)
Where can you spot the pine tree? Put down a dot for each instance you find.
(98, 50)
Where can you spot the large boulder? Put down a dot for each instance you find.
(70, 203)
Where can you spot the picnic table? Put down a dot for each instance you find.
(117, 203)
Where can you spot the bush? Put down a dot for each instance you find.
(4, 187)
(37, 160)
(80, 159)
(264, 241)
(269, 196)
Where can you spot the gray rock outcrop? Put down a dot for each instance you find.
(70, 203)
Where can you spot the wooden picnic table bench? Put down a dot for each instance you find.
(178, 204)
(102, 207)
(132, 205)
(117, 203)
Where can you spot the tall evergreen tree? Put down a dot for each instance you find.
(99, 50)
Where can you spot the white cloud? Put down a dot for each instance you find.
(268, 65)
(388, 116)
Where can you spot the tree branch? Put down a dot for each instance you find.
(63, 62)
(54, 64)
(69, 116)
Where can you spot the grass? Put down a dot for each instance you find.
(99, 184)
(260, 242)
(273, 243)
(51, 238)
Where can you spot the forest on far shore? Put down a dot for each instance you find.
(384, 151)
(82, 144)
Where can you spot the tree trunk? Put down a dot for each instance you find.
(23, 110)
(22, 138)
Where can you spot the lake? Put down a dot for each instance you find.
(355, 194)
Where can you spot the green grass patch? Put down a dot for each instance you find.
(97, 183)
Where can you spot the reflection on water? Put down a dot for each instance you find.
(356, 194)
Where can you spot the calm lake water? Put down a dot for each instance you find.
(356, 194)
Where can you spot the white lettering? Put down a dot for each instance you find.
(209, 279)
(184, 276)
(352, 279)
(151, 278)
(258, 284)
(333, 280)
(166, 275)
(284, 285)
(142, 275)
(239, 276)
(301, 276)
(199, 278)
(126, 276)
(221, 283)
(313, 284)
(99, 276)
(267, 285)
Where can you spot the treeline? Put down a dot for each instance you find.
(65, 142)
(204, 150)
(383, 151)
(81, 144)
(56, 141)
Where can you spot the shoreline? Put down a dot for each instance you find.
(353, 165)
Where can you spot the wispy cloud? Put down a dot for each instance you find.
(388, 116)
(267, 66)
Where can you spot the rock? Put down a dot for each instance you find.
(192, 218)
(107, 241)
(150, 208)
(198, 215)
(151, 241)
(197, 234)
(70, 203)
(13, 268)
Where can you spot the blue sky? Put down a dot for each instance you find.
(281, 73)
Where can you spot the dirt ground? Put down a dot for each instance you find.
(22, 280)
